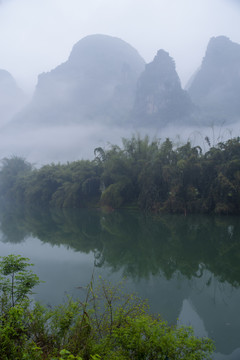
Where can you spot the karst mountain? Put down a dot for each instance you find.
(215, 88)
(106, 81)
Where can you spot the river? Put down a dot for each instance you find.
(187, 267)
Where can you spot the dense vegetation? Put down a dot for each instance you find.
(147, 174)
(106, 325)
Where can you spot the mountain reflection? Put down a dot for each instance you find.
(140, 245)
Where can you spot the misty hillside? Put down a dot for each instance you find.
(96, 84)
(11, 97)
(216, 86)
(159, 96)
(104, 91)
(106, 82)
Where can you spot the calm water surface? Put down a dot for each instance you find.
(188, 267)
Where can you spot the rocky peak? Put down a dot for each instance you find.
(159, 94)
(164, 66)
(216, 86)
(220, 51)
(96, 83)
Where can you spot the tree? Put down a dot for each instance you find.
(12, 170)
(16, 284)
(16, 281)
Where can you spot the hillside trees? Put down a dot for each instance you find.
(176, 180)
(221, 180)
(149, 174)
(13, 171)
(61, 185)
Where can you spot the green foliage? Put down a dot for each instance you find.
(13, 333)
(156, 176)
(16, 280)
(16, 284)
(107, 325)
(147, 337)
(66, 355)
(112, 196)
(13, 175)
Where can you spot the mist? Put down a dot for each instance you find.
(37, 38)
(76, 142)
(12, 98)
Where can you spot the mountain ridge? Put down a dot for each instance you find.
(215, 88)
(159, 95)
(106, 81)
(98, 79)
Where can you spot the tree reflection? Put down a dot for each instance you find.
(138, 244)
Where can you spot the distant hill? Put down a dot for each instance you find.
(104, 91)
(215, 88)
(106, 82)
(96, 84)
(12, 97)
(160, 98)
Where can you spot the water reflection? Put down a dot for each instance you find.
(140, 245)
(188, 267)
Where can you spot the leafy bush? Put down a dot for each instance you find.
(109, 324)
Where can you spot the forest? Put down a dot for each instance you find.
(146, 174)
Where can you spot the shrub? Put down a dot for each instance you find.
(108, 324)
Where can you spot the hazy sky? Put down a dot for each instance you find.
(38, 35)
